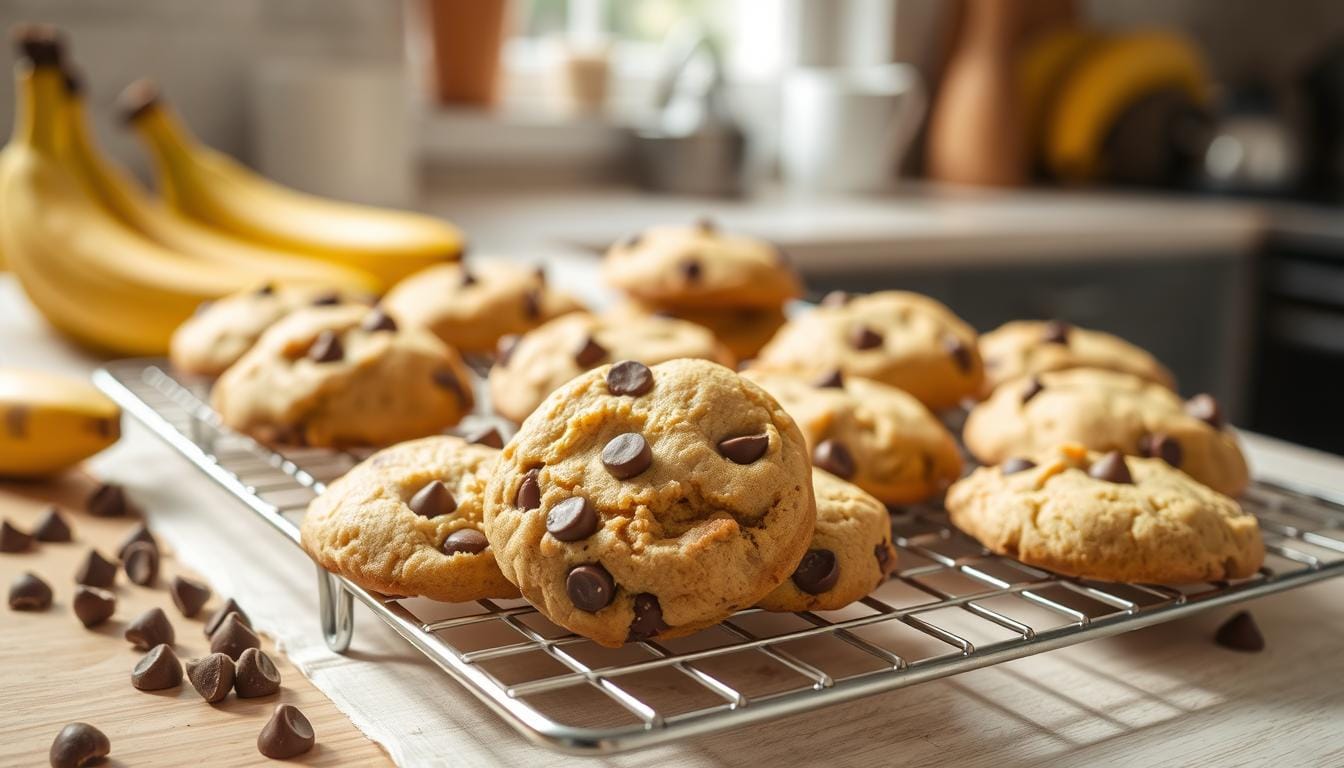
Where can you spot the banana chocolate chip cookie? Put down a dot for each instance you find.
(642, 502)
(1108, 517)
(850, 554)
(1107, 411)
(903, 339)
(407, 521)
(340, 376)
(875, 436)
(1026, 347)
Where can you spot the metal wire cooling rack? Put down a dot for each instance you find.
(951, 607)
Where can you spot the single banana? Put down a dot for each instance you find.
(49, 423)
(218, 191)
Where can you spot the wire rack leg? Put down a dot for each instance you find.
(338, 611)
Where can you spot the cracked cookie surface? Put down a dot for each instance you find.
(1026, 347)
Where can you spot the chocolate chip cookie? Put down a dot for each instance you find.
(340, 376)
(649, 502)
(1107, 516)
(903, 339)
(407, 521)
(1106, 411)
(470, 306)
(1026, 347)
(530, 368)
(875, 436)
(850, 554)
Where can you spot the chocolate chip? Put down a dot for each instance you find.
(692, 270)
(229, 607)
(93, 606)
(52, 527)
(189, 595)
(648, 619)
(1016, 464)
(590, 587)
(627, 455)
(256, 675)
(432, 500)
(233, 637)
(835, 299)
(629, 377)
(863, 337)
(149, 629)
(834, 379)
(326, 348)
(532, 305)
(212, 676)
(488, 436)
(883, 554)
(141, 535)
(1033, 388)
(817, 572)
(77, 745)
(141, 563)
(590, 354)
(266, 289)
(326, 299)
(467, 278)
(504, 348)
(1112, 469)
(378, 320)
(96, 571)
(445, 379)
(466, 541)
(959, 351)
(1205, 408)
(706, 225)
(1161, 446)
(832, 456)
(158, 670)
(573, 519)
(12, 539)
(287, 734)
(745, 449)
(529, 491)
(1240, 633)
(29, 593)
(1056, 332)
(107, 500)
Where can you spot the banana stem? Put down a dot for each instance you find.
(38, 122)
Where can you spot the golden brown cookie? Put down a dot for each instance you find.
(1107, 517)
(642, 502)
(1026, 347)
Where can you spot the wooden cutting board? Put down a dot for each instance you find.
(55, 671)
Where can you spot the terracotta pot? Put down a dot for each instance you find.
(466, 37)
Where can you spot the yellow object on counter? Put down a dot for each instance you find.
(49, 423)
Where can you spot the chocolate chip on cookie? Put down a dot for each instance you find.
(818, 571)
(863, 337)
(488, 436)
(627, 455)
(745, 449)
(883, 554)
(1055, 332)
(648, 619)
(326, 299)
(1016, 464)
(832, 380)
(532, 305)
(1162, 446)
(629, 377)
(573, 519)
(692, 270)
(529, 491)
(834, 457)
(468, 278)
(1205, 408)
(447, 380)
(378, 320)
(959, 351)
(326, 348)
(1111, 468)
(590, 354)
(1034, 387)
(590, 587)
(433, 500)
(466, 541)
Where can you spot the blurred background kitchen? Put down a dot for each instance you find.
(1168, 170)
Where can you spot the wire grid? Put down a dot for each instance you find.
(951, 607)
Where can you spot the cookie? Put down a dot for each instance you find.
(407, 521)
(470, 306)
(850, 554)
(743, 330)
(529, 369)
(341, 376)
(1026, 347)
(641, 502)
(903, 339)
(875, 436)
(1107, 517)
(222, 331)
(1105, 411)
(700, 266)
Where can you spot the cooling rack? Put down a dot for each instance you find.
(951, 607)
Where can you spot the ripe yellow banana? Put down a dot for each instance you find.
(50, 422)
(218, 191)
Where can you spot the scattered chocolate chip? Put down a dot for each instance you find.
(1240, 633)
(266, 289)
(1162, 446)
(745, 449)
(233, 637)
(16, 421)
(627, 455)
(629, 377)
(504, 348)
(1056, 332)
(327, 299)
(573, 519)
(1016, 464)
(29, 593)
(141, 535)
(287, 734)
(52, 527)
(107, 500)
(835, 299)
(141, 563)
(529, 491)
(863, 337)
(832, 456)
(959, 351)
(1205, 408)
(151, 628)
(378, 320)
(433, 500)
(12, 539)
(465, 541)
(835, 379)
(189, 595)
(326, 348)
(648, 619)
(1033, 388)
(229, 607)
(256, 675)
(488, 436)
(817, 572)
(158, 670)
(212, 676)
(692, 270)
(590, 354)
(532, 305)
(96, 571)
(590, 587)
(467, 278)
(706, 225)
(1112, 469)
(445, 379)
(78, 745)
(93, 606)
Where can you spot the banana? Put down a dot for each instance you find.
(49, 422)
(216, 190)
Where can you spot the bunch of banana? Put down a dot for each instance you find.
(49, 422)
